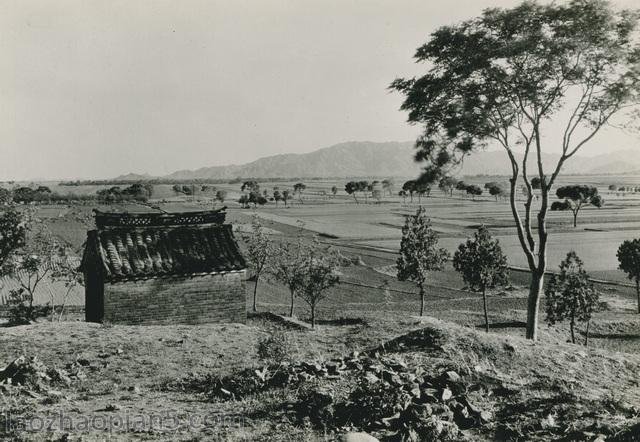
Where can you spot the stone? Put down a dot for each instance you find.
(453, 376)
(446, 394)
(358, 437)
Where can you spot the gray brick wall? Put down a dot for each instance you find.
(177, 300)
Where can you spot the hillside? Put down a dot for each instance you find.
(364, 158)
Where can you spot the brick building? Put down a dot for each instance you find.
(156, 268)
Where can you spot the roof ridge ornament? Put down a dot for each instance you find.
(106, 220)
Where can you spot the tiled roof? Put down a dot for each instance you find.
(138, 252)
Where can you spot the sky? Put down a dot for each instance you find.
(95, 89)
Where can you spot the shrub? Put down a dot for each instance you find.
(21, 311)
(276, 347)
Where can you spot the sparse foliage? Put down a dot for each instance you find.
(287, 267)
(259, 251)
(319, 273)
(29, 265)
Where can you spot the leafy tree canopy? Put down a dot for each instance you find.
(570, 295)
(481, 262)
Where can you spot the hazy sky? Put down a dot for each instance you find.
(94, 88)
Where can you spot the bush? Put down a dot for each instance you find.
(21, 311)
(275, 348)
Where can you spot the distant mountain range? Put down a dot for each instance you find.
(371, 159)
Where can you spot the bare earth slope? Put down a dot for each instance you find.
(202, 379)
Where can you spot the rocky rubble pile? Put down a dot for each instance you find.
(397, 402)
(31, 377)
(384, 395)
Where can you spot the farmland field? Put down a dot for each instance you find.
(372, 232)
(596, 239)
(340, 220)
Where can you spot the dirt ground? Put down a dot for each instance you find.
(133, 371)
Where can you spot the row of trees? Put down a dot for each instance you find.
(306, 269)
(570, 295)
(623, 189)
(38, 194)
(202, 189)
(43, 194)
(252, 194)
(135, 192)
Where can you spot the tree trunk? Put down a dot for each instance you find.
(421, 301)
(255, 289)
(486, 314)
(313, 316)
(291, 309)
(586, 335)
(533, 302)
(571, 326)
(575, 219)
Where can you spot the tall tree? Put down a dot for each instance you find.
(482, 264)
(286, 196)
(410, 188)
(299, 188)
(277, 196)
(447, 184)
(629, 262)
(221, 195)
(422, 189)
(575, 198)
(387, 186)
(473, 190)
(419, 252)
(352, 188)
(259, 251)
(334, 190)
(501, 77)
(496, 189)
(570, 295)
(403, 195)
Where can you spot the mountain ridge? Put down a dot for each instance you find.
(392, 158)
